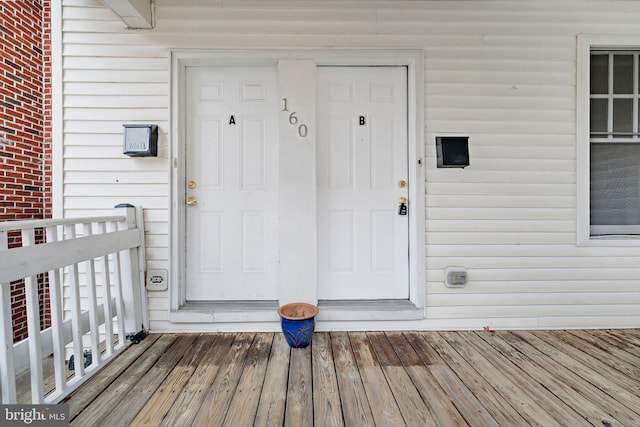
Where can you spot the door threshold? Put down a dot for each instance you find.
(226, 311)
(369, 310)
(267, 311)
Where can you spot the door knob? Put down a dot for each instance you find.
(191, 201)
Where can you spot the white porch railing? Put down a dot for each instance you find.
(96, 291)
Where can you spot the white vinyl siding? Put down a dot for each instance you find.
(502, 73)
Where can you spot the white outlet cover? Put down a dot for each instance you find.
(157, 280)
(449, 270)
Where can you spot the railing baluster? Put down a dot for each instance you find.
(93, 301)
(70, 233)
(33, 326)
(112, 226)
(106, 298)
(56, 302)
(7, 366)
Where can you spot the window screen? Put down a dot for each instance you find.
(615, 143)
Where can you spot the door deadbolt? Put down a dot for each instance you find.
(191, 185)
(402, 183)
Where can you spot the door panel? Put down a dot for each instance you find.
(232, 158)
(361, 157)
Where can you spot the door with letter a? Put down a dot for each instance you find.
(232, 184)
(232, 188)
(362, 172)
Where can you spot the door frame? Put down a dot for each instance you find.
(179, 310)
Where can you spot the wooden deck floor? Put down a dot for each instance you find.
(550, 378)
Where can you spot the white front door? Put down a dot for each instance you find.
(231, 182)
(362, 172)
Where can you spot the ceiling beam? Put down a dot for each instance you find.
(134, 13)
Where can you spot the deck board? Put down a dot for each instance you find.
(516, 395)
(327, 410)
(369, 379)
(384, 406)
(274, 390)
(553, 411)
(188, 401)
(218, 394)
(414, 410)
(559, 367)
(439, 404)
(299, 407)
(603, 370)
(98, 383)
(355, 405)
(468, 404)
(495, 402)
(115, 392)
(244, 404)
(159, 404)
(584, 368)
(136, 398)
(554, 384)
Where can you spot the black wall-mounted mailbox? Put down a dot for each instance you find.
(452, 151)
(140, 140)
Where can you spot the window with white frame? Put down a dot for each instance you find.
(614, 142)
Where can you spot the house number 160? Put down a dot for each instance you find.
(303, 130)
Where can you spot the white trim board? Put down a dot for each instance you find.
(412, 59)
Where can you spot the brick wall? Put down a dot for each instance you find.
(25, 132)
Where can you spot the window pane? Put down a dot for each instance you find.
(623, 74)
(599, 74)
(615, 184)
(622, 117)
(598, 112)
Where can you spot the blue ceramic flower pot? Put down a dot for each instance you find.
(298, 323)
